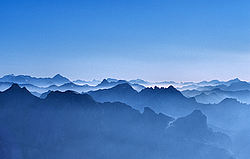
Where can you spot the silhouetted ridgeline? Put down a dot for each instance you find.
(206, 92)
(168, 100)
(70, 125)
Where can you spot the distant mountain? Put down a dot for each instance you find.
(112, 80)
(213, 82)
(105, 83)
(71, 125)
(191, 93)
(109, 83)
(36, 90)
(217, 95)
(168, 100)
(41, 82)
(91, 83)
(182, 127)
(171, 101)
(232, 85)
(208, 85)
(152, 84)
(120, 93)
(237, 86)
(140, 81)
(70, 86)
(228, 111)
(211, 98)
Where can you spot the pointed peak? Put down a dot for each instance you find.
(197, 113)
(236, 79)
(156, 87)
(58, 76)
(15, 88)
(171, 87)
(104, 81)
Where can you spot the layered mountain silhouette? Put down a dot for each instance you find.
(109, 83)
(44, 82)
(83, 82)
(39, 86)
(168, 100)
(171, 101)
(222, 102)
(72, 125)
(216, 95)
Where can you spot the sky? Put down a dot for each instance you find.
(154, 40)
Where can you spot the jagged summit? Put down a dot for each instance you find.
(104, 82)
(69, 96)
(172, 88)
(236, 80)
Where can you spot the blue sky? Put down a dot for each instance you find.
(151, 39)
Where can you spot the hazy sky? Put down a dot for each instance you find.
(155, 40)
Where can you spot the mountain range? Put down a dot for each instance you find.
(237, 89)
(220, 103)
(204, 92)
(40, 82)
(71, 125)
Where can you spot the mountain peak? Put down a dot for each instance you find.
(197, 113)
(69, 96)
(123, 86)
(58, 76)
(187, 123)
(60, 79)
(171, 87)
(229, 101)
(236, 79)
(104, 81)
(17, 90)
(15, 86)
